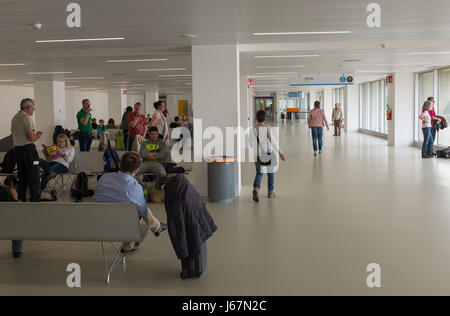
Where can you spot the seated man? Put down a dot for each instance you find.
(122, 187)
(176, 123)
(154, 153)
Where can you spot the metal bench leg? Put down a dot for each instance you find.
(115, 262)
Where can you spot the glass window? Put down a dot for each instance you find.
(373, 106)
(444, 104)
(426, 89)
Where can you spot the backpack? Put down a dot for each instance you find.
(49, 195)
(111, 157)
(58, 130)
(9, 162)
(444, 153)
(79, 188)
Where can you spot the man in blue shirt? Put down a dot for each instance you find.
(122, 187)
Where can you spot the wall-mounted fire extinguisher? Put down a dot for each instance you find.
(388, 113)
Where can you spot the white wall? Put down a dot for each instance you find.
(132, 99)
(10, 105)
(99, 104)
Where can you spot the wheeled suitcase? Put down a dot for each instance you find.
(194, 267)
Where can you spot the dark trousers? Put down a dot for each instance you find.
(47, 166)
(85, 140)
(433, 133)
(125, 139)
(28, 172)
(130, 143)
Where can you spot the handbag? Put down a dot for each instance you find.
(258, 157)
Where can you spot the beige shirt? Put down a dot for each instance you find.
(337, 114)
(21, 125)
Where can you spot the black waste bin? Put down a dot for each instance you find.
(221, 187)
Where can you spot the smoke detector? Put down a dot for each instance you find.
(37, 26)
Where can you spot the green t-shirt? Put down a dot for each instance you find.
(81, 127)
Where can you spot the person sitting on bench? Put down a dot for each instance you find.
(122, 187)
(154, 153)
(57, 162)
(10, 195)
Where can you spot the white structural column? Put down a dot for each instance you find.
(50, 97)
(245, 103)
(216, 100)
(401, 101)
(117, 103)
(328, 103)
(151, 96)
(351, 108)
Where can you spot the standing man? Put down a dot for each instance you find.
(337, 119)
(137, 124)
(24, 137)
(84, 118)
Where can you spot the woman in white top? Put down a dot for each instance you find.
(427, 147)
(159, 120)
(65, 154)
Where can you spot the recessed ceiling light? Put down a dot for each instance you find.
(302, 33)
(118, 82)
(274, 67)
(6, 80)
(8, 65)
(188, 83)
(166, 69)
(135, 60)
(276, 73)
(287, 56)
(188, 36)
(429, 53)
(68, 87)
(374, 71)
(85, 78)
(82, 40)
(50, 73)
(273, 77)
(162, 76)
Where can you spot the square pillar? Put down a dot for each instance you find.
(50, 97)
(401, 101)
(151, 96)
(117, 104)
(216, 101)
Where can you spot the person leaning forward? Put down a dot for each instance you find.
(122, 187)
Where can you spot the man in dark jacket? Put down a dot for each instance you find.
(189, 222)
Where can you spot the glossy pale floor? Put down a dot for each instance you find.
(360, 202)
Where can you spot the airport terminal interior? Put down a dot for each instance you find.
(365, 213)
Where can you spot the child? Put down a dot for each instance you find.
(264, 144)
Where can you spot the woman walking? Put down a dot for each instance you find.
(428, 140)
(316, 122)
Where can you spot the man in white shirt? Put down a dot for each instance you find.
(337, 119)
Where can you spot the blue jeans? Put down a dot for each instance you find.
(258, 178)
(85, 140)
(427, 147)
(317, 134)
(56, 167)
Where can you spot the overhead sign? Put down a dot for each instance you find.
(389, 79)
(321, 80)
(250, 83)
(293, 95)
